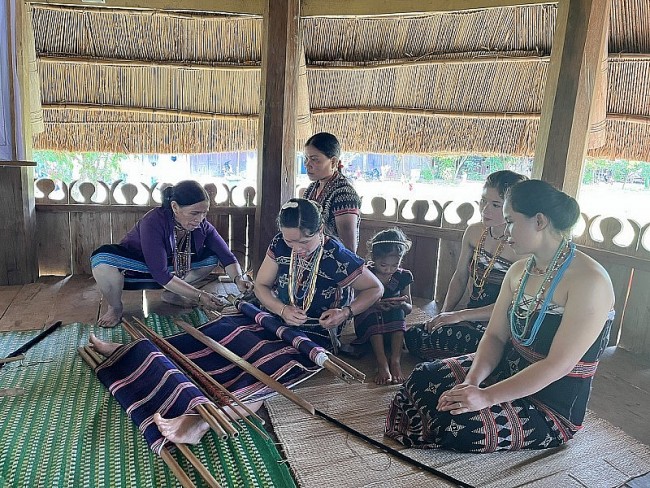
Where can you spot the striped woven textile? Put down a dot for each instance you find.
(67, 430)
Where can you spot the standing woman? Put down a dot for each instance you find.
(332, 190)
(528, 384)
(483, 262)
(306, 275)
(171, 247)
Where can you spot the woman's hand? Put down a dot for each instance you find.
(244, 283)
(293, 315)
(442, 319)
(211, 301)
(333, 317)
(463, 398)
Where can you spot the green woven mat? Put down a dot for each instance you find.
(67, 430)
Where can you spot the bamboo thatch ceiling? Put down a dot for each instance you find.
(465, 82)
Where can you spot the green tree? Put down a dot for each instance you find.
(90, 166)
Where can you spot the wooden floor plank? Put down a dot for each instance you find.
(77, 300)
(7, 296)
(31, 307)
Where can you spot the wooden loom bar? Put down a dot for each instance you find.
(200, 468)
(246, 366)
(206, 381)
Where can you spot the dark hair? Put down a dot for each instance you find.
(387, 242)
(187, 192)
(300, 213)
(502, 180)
(326, 143)
(536, 196)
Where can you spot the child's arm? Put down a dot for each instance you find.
(407, 305)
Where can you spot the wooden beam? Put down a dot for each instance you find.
(580, 31)
(246, 7)
(310, 8)
(372, 8)
(276, 161)
(422, 112)
(479, 58)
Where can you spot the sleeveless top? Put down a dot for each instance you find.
(492, 285)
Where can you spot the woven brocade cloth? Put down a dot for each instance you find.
(67, 430)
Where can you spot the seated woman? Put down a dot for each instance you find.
(306, 275)
(484, 258)
(171, 247)
(528, 384)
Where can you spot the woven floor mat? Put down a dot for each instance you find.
(68, 431)
(417, 317)
(321, 454)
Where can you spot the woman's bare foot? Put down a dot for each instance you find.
(383, 375)
(396, 371)
(104, 348)
(111, 317)
(186, 429)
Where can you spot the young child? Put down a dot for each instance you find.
(384, 321)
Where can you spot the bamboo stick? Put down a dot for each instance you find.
(175, 468)
(198, 465)
(94, 354)
(476, 59)
(219, 416)
(86, 357)
(84, 60)
(426, 113)
(10, 360)
(347, 367)
(213, 422)
(246, 366)
(207, 382)
(87, 107)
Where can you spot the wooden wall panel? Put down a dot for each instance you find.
(53, 243)
(88, 231)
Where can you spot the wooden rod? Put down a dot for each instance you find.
(197, 373)
(347, 367)
(214, 424)
(246, 366)
(175, 468)
(10, 360)
(86, 357)
(85, 107)
(94, 354)
(198, 465)
(85, 60)
(220, 417)
(425, 113)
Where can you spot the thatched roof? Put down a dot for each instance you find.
(468, 82)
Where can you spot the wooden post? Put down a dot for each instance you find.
(580, 31)
(276, 160)
(18, 263)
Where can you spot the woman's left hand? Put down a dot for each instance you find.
(463, 398)
(244, 283)
(333, 317)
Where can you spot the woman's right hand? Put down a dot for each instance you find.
(442, 319)
(211, 301)
(293, 315)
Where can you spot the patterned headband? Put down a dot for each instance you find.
(289, 204)
(405, 244)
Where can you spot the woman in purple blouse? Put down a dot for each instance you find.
(171, 247)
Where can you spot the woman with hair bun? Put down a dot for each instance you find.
(171, 247)
(306, 276)
(339, 201)
(528, 384)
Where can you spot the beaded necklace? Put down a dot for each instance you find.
(319, 196)
(183, 254)
(520, 320)
(297, 268)
(479, 282)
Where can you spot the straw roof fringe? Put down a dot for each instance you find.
(459, 82)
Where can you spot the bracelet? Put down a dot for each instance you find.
(198, 299)
(350, 312)
(282, 311)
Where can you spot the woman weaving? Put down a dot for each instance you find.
(528, 384)
(171, 247)
(483, 262)
(306, 275)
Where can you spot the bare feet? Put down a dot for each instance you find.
(186, 429)
(111, 318)
(383, 375)
(104, 348)
(396, 371)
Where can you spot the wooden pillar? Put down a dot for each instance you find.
(580, 32)
(18, 263)
(276, 158)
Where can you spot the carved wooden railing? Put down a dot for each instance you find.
(70, 228)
